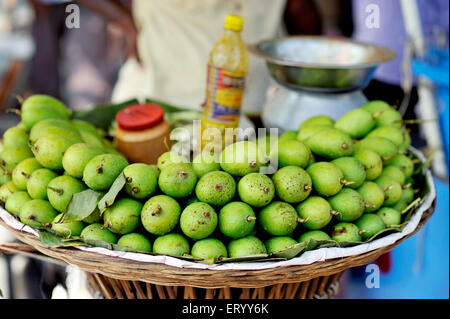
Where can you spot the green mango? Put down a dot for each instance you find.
(376, 106)
(37, 213)
(385, 148)
(171, 244)
(331, 144)
(15, 136)
(247, 246)
(240, 158)
(209, 248)
(356, 123)
(403, 162)
(321, 120)
(389, 118)
(392, 133)
(23, 171)
(353, 170)
(49, 151)
(102, 170)
(369, 225)
(275, 244)
(40, 107)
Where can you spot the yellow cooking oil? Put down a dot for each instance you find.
(225, 83)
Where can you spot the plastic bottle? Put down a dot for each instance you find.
(227, 69)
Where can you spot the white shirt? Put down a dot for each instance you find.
(174, 42)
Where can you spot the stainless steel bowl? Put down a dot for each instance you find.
(321, 64)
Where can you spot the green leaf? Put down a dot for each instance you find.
(98, 243)
(102, 116)
(111, 195)
(290, 252)
(50, 239)
(81, 205)
(261, 257)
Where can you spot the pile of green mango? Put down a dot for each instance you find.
(340, 181)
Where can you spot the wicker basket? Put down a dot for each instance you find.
(126, 278)
(122, 278)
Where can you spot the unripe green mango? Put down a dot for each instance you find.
(15, 202)
(67, 133)
(160, 214)
(236, 220)
(123, 216)
(376, 106)
(356, 123)
(321, 120)
(256, 189)
(49, 151)
(316, 235)
(315, 212)
(206, 162)
(13, 155)
(61, 189)
(15, 136)
(177, 180)
(293, 153)
(198, 220)
(353, 170)
(385, 148)
(96, 231)
(331, 144)
(327, 178)
(171, 244)
(392, 133)
(275, 244)
(38, 182)
(40, 107)
(216, 188)
(142, 180)
(22, 172)
(102, 170)
(345, 232)
(403, 162)
(278, 218)
(373, 196)
(372, 163)
(349, 204)
(77, 156)
(389, 117)
(369, 225)
(136, 242)
(37, 213)
(292, 184)
(247, 246)
(240, 158)
(209, 248)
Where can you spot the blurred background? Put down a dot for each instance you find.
(79, 59)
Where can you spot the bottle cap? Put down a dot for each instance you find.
(234, 23)
(140, 116)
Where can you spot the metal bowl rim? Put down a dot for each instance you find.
(254, 48)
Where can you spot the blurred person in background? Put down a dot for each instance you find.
(168, 42)
(391, 32)
(78, 65)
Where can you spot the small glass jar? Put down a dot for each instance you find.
(142, 134)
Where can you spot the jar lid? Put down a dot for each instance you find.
(139, 116)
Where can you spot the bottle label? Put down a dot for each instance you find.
(224, 94)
